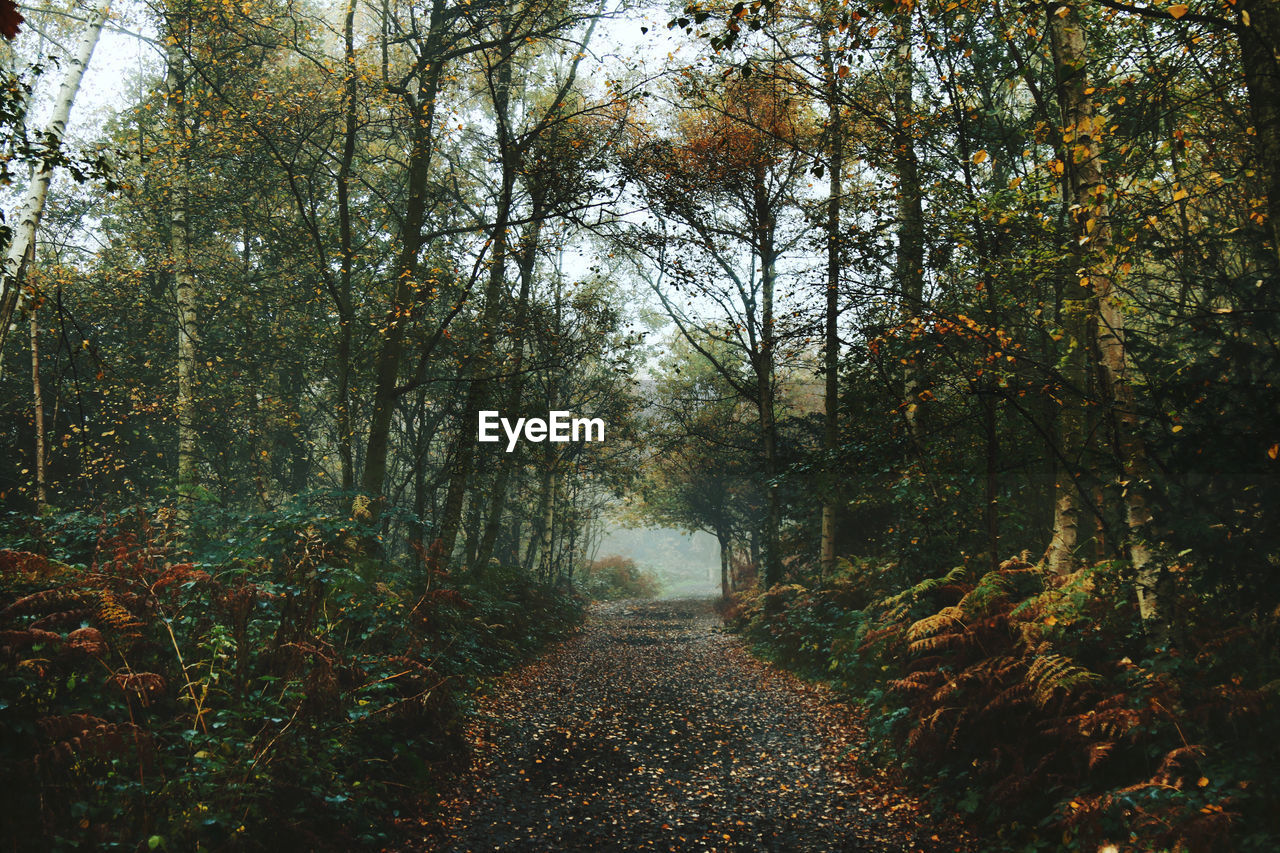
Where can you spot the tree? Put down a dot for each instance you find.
(727, 180)
(22, 240)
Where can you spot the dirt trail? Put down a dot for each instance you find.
(653, 730)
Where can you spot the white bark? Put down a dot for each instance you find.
(12, 284)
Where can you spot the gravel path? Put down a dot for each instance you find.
(653, 730)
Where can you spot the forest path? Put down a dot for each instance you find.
(653, 730)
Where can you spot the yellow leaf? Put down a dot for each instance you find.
(1177, 428)
(1202, 782)
(1179, 194)
(980, 156)
(1273, 451)
(1179, 9)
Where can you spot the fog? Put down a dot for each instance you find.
(687, 564)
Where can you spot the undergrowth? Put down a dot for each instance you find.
(612, 578)
(274, 691)
(1034, 703)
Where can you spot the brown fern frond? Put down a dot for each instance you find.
(17, 640)
(79, 736)
(935, 719)
(45, 601)
(1099, 751)
(1241, 701)
(64, 618)
(29, 567)
(180, 573)
(886, 633)
(115, 615)
(941, 642)
(1049, 674)
(146, 685)
(1109, 721)
(87, 640)
(1015, 694)
(947, 617)
(915, 682)
(958, 727)
(948, 688)
(1178, 766)
(67, 725)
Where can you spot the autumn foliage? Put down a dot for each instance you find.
(615, 577)
(283, 698)
(1027, 700)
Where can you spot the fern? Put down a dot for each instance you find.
(947, 617)
(923, 588)
(1051, 674)
(76, 737)
(115, 615)
(44, 602)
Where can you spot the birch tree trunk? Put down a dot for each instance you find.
(179, 140)
(1082, 130)
(37, 397)
(13, 281)
(909, 262)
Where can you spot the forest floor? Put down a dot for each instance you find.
(652, 729)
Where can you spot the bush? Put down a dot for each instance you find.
(285, 695)
(617, 577)
(1031, 701)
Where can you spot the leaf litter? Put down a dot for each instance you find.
(651, 729)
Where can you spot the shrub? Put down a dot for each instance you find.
(1032, 702)
(278, 697)
(617, 577)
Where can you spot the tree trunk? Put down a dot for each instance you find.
(13, 279)
(1260, 61)
(1082, 128)
(483, 362)
(909, 262)
(831, 354)
(179, 140)
(346, 315)
(726, 586)
(37, 398)
(548, 507)
(515, 387)
(422, 109)
(765, 390)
